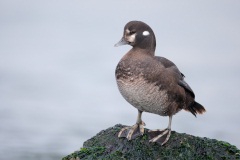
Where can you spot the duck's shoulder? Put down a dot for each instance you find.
(169, 65)
(164, 61)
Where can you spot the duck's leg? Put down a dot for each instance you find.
(135, 130)
(161, 136)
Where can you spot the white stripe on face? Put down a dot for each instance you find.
(130, 38)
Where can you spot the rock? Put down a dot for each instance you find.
(106, 145)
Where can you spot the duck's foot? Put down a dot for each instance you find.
(159, 136)
(133, 131)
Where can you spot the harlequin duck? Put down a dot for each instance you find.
(150, 83)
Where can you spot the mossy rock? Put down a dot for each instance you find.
(181, 146)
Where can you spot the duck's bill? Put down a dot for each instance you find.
(121, 42)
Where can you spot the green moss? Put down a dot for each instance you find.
(91, 153)
(115, 155)
(106, 145)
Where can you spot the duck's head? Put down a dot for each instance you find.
(139, 35)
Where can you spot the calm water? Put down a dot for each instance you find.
(57, 84)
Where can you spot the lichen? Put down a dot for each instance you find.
(106, 145)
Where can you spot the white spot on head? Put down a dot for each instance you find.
(145, 33)
(127, 30)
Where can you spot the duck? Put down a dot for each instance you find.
(151, 83)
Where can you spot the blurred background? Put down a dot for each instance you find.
(57, 70)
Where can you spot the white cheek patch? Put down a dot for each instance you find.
(145, 33)
(132, 38)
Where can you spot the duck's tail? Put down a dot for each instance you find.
(196, 108)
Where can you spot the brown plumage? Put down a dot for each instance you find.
(150, 83)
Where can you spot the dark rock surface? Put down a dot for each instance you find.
(106, 145)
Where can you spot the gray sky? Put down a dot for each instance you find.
(57, 82)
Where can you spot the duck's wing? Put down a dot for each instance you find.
(190, 104)
(169, 65)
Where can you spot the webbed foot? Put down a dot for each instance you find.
(133, 131)
(159, 136)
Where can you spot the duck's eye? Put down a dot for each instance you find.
(132, 32)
